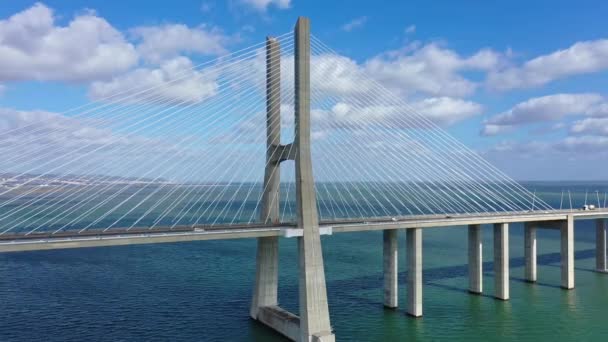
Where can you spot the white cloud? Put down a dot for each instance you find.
(577, 147)
(354, 24)
(331, 75)
(168, 41)
(33, 47)
(262, 5)
(48, 131)
(342, 87)
(552, 160)
(40, 141)
(582, 144)
(175, 79)
(410, 29)
(447, 111)
(427, 70)
(2, 89)
(338, 75)
(442, 111)
(580, 58)
(545, 109)
(590, 126)
(430, 69)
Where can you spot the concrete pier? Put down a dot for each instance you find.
(475, 259)
(600, 245)
(501, 261)
(391, 271)
(530, 251)
(265, 289)
(567, 253)
(414, 271)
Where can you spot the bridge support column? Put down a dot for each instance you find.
(266, 276)
(530, 251)
(267, 259)
(475, 259)
(501, 261)
(313, 323)
(314, 311)
(391, 271)
(414, 271)
(567, 253)
(600, 245)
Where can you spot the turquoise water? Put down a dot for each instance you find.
(200, 291)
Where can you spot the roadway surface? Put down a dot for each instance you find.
(143, 235)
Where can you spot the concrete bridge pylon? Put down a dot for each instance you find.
(313, 323)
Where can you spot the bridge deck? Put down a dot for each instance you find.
(118, 236)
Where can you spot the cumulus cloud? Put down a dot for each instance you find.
(586, 139)
(582, 144)
(34, 47)
(263, 5)
(430, 69)
(47, 131)
(590, 126)
(429, 76)
(175, 79)
(545, 109)
(575, 146)
(338, 75)
(41, 141)
(167, 41)
(580, 58)
(354, 24)
(552, 160)
(331, 75)
(342, 88)
(57, 134)
(427, 70)
(447, 111)
(361, 116)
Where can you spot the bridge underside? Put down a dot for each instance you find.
(143, 235)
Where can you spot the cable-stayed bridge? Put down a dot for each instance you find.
(281, 139)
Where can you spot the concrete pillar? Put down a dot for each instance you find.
(391, 271)
(567, 253)
(414, 271)
(600, 245)
(501, 261)
(265, 291)
(272, 176)
(266, 279)
(530, 251)
(475, 259)
(314, 311)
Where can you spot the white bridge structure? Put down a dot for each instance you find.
(279, 140)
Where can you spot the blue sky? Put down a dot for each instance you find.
(521, 82)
